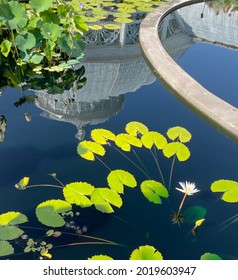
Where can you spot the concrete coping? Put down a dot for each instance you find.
(213, 109)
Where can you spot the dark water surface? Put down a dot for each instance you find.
(43, 146)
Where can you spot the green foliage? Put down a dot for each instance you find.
(100, 258)
(135, 128)
(6, 248)
(176, 149)
(146, 252)
(102, 136)
(40, 35)
(103, 198)
(77, 193)
(210, 256)
(125, 141)
(8, 225)
(117, 179)
(153, 138)
(180, 133)
(228, 187)
(50, 212)
(153, 190)
(87, 149)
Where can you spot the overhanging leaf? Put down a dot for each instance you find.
(103, 198)
(13, 15)
(50, 31)
(176, 148)
(26, 41)
(153, 138)
(229, 187)
(124, 141)
(146, 252)
(87, 149)
(48, 212)
(179, 132)
(118, 178)
(153, 190)
(6, 248)
(41, 5)
(102, 135)
(5, 47)
(77, 192)
(133, 128)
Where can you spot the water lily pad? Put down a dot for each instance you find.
(87, 149)
(124, 141)
(123, 15)
(179, 132)
(210, 256)
(176, 148)
(95, 27)
(112, 26)
(100, 258)
(123, 20)
(133, 128)
(77, 192)
(49, 212)
(103, 198)
(117, 179)
(229, 187)
(153, 138)
(101, 136)
(194, 213)
(146, 253)
(153, 190)
(6, 248)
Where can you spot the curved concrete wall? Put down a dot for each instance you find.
(213, 109)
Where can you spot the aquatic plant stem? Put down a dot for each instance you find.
(136, 165)
(103, 163)
(181, 204)
(43, 185)
(158, 166)
(142, 164)
(171, 171)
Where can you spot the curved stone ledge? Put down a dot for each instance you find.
(216, 111)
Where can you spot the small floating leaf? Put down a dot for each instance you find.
(125, 15)
(48, 212)
(21, 185)
(153, 138)
(133, 128)
(100, 258)
(124, 141)
(123, 20)
(176, 148)
(153, 190)
(95, 27)
(118, 178)
(77, 192)
(146, 252)
(102, 135)
(210, 256)
(179, 132)
(87, 149)
(6, 248)
(229, 187)
(112, 26)
(102, 199)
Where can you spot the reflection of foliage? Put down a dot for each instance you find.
(3, 127)
(224, 5)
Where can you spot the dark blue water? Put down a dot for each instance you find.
(43, 146)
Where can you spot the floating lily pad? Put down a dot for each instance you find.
(100, 258)
(101, 136)
(6, 248)
(112, 26)
(179, 132)
(153, 138)
(117, 179)
(123, 15)
(125, 141)
(228, 187)
(176, 148)
(133, 128)
(95, 27)
(153, 190)
(87, 149)
(146, 253)
(210, 256)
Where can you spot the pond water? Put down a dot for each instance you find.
(47, 145)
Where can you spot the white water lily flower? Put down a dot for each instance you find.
(188, 188)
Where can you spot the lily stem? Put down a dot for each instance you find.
(181, 204)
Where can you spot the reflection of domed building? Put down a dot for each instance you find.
(111, 72)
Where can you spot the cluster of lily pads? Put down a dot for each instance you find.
(109, 14)
(59, 217)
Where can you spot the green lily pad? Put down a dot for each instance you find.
(117, 179)
(6, 249)
(176, 148)
(112, 26)
(125, 141)
(153, 190)
(103, 198)
(123, 20)
(100, 258)
(179, 132)
(95, 27)
(210, 256)
(153, 138)
(133, 128)
(229, 187)
(194, 213)
(101, 136)
(49, 212)
(77, 192)
(87, 149)
(146, 252)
